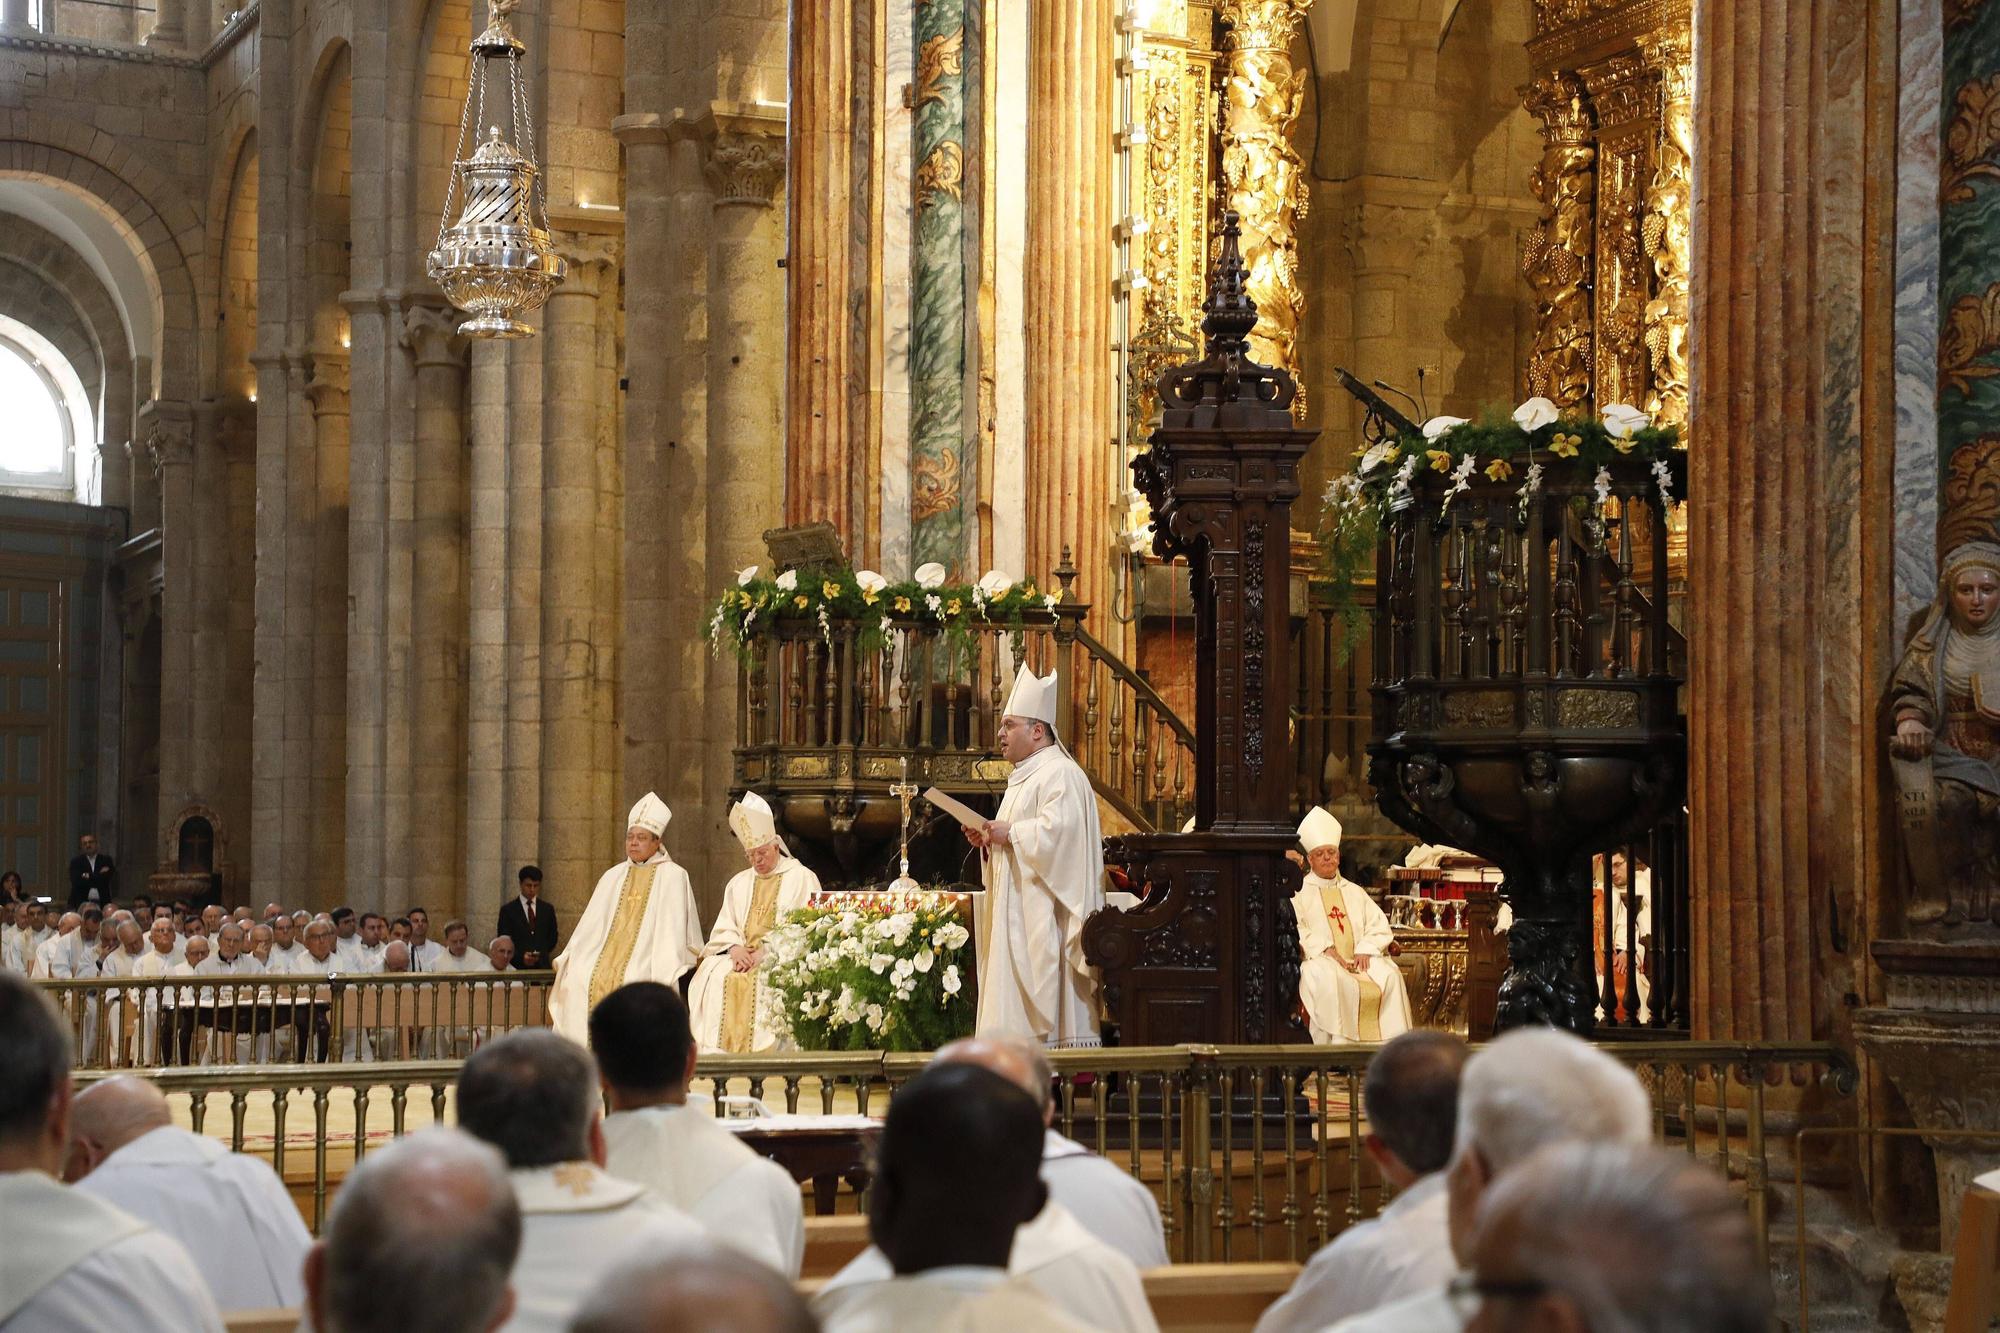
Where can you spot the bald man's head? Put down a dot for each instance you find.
(106, 1116)
(1021, 1063)
(713, 1290)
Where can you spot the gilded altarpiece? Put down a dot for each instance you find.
(1609, 260)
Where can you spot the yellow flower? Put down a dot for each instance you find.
(799, 601)
(1565, 446)
(1440, 460)
(903, 604)
(829, 590)
(1499, 469)
(953, 607)
(870, 598)
(743, 600)
(1623, 444)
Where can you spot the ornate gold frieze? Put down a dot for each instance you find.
(1264, 180)
(1558, 257)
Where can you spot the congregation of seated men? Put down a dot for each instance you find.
(1527, 1197)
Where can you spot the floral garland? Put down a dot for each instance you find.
(869, 972)
(1498, 447)
(825, 594)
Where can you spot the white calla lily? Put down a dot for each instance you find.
(1534, 414)
(789, 580)
(744, 575)
(1377, 455)
(993, 583)
(930, 576)
(869, 581)
(1624, 421)
(1437, 426)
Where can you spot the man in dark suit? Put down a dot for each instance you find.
(529, 922)
(91, 874)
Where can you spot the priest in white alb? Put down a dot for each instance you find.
(1043, 867)
(230, 1209)
(675, 1146)
(725, 994)
(640, 926)
(1352, 990)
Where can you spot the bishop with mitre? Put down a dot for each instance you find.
(724, 997)
(640, 926)
(1044, 873)
(1351, 988)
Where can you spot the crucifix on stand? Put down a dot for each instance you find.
(903, 791)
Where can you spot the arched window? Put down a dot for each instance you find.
(36, 440)
(47, 416)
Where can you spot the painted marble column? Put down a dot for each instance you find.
(436, 671)
(824, 477)
(1968, 353)
(1073, 492)
(1790, 450)
(572, 808)
(944, 459)
(326, 393)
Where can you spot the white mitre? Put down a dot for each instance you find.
(751, 821)
(1319, 829)
(1034, 697)
(650, 814)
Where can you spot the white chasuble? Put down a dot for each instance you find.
(640, 926)
(941, 1300)
(71, 1263)
(1337, 922)
(230, 1210)
(1033, 982)
(577, 1224)
(685, 1157)
(723, 1003)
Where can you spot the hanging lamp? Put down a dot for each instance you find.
(497, 262)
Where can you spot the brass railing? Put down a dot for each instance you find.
(169, 1022)
(1254, 1152)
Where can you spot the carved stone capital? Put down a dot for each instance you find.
(431, 334)
(163, 435)
(326, 389)
(590, 258)
(745, 168)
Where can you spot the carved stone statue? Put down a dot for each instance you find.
(1944, 746)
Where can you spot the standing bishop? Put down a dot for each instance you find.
(1043, 867)
(640, 926)
(725, 995)
(1351, 988)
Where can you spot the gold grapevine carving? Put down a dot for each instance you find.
(1668, 232)
(1558, 259)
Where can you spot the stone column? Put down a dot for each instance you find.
(489, 592)
(14, 17)
(745, 166)
(169, 24)
(1788, 592)
(1072, 490)
(326, 392)
(438, 666)
(572, 817)
(823, 477)
(167, 434)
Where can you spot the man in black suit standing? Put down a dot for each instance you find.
(92, 877)
(529, 922)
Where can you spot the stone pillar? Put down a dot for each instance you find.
(166, 431)
(823, 477)
(14, 17)
(572, 808)
(326, 808)
(169, 23)
(745, 166)
(489, 587)
(1072, 491)
(1788, 593)
(438, 666)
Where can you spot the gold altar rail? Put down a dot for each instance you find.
(1254, 1152)
(170, 1022)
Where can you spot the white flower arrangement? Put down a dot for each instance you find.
(869, 971)
(993, 584)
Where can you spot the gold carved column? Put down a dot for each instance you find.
(1264, 180)
(1609, 262)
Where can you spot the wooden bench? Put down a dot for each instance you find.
(1215, 1298)
(832, 1241)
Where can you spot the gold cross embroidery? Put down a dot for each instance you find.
(574, 1177)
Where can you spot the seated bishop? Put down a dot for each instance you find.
(725, 996)
(1352, 990)
(640, 926)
